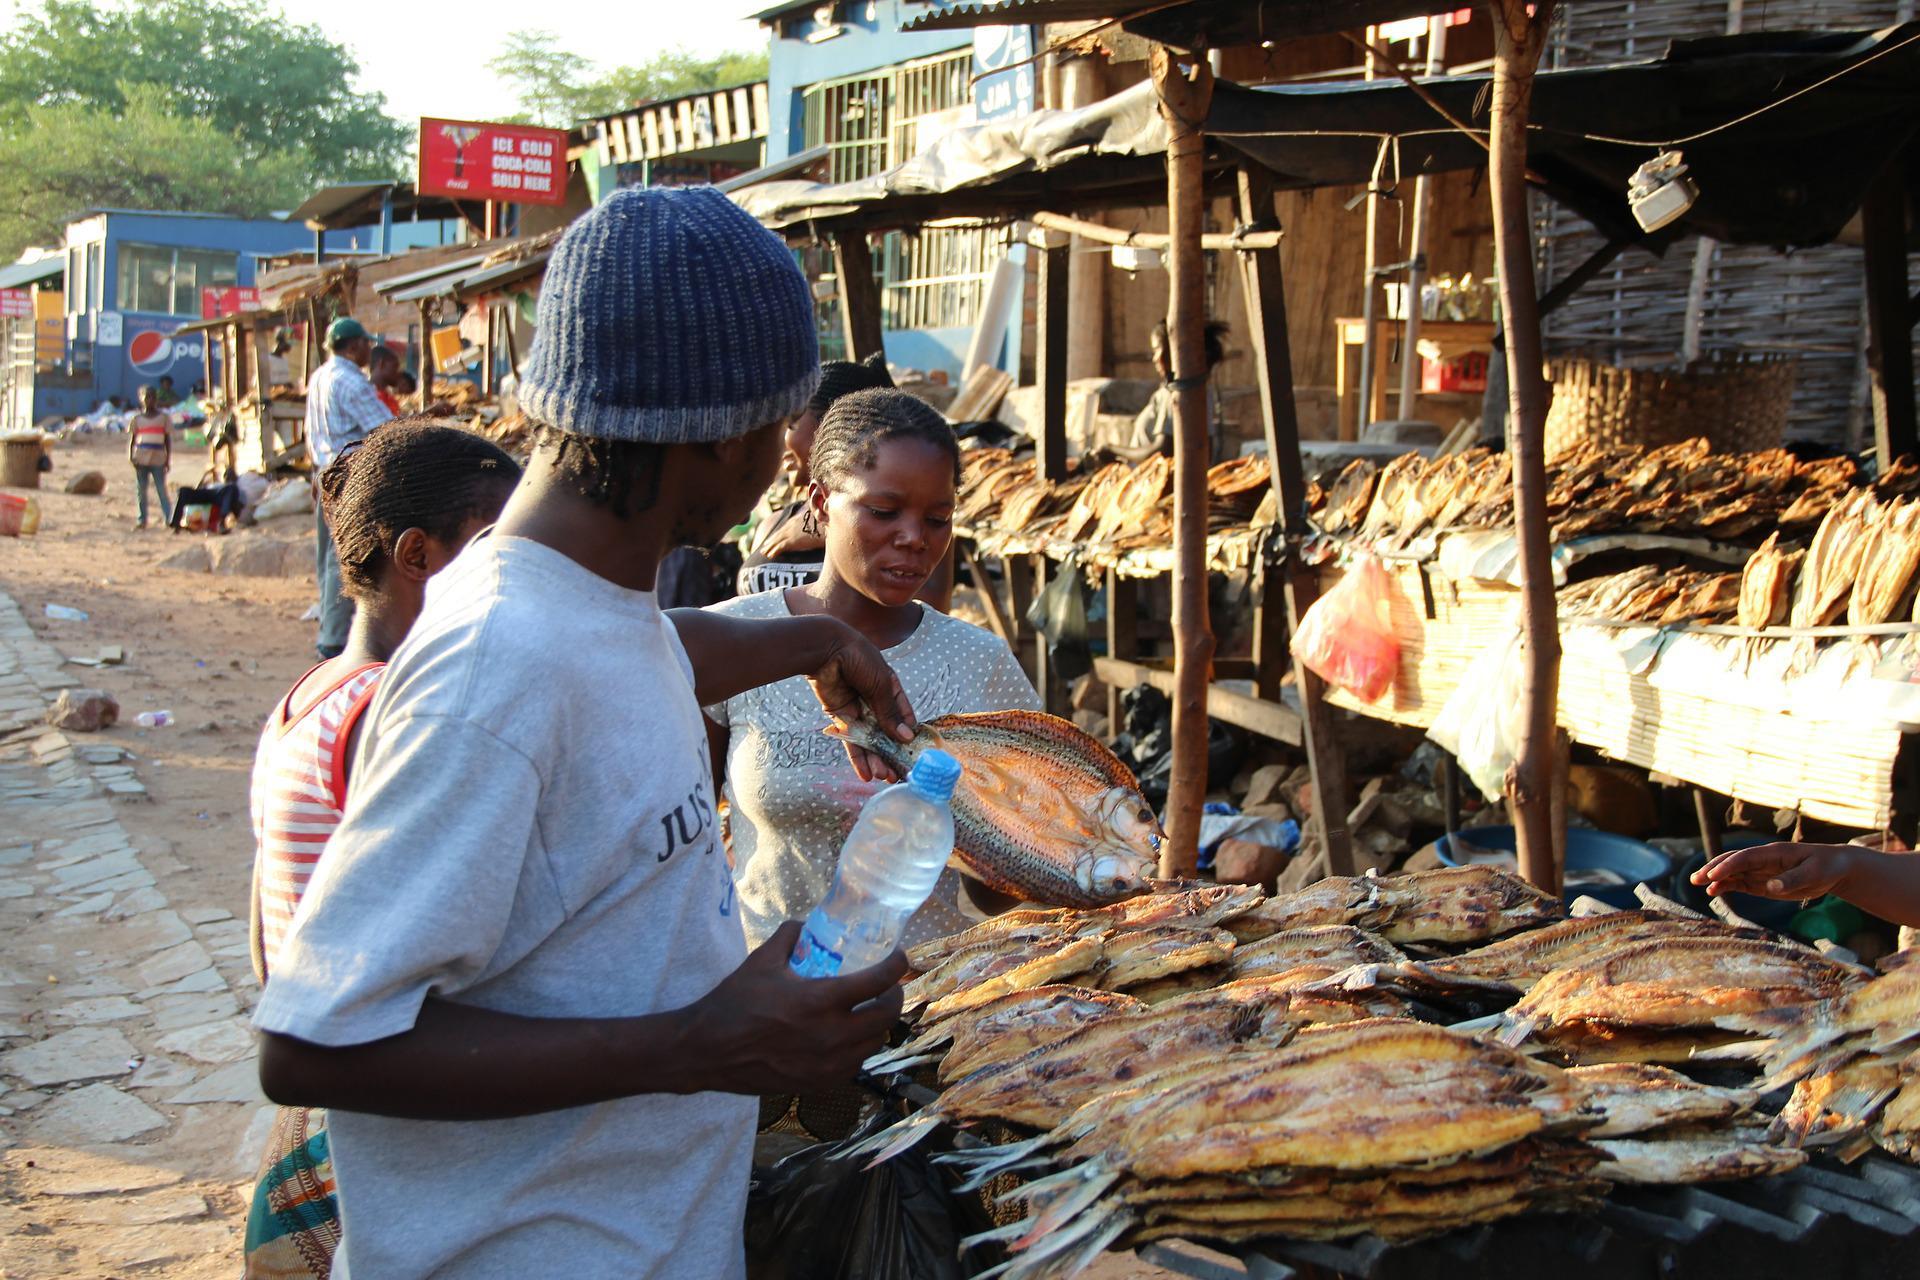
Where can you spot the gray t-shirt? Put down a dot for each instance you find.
(792, 794)
(530, 828)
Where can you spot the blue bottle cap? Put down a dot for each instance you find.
(934, 775)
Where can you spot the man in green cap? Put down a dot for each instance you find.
(342, 406)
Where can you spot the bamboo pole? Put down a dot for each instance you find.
(1185, 88)
(1417, 246)
(1214, 241)
(1519, 39)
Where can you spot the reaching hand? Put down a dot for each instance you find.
(1778, 870)
(854, 679)
(766, 1029)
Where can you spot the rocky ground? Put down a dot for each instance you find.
(130, 1119)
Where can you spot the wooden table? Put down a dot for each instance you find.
(1350, 339)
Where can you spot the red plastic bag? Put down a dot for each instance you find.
(1347, 636)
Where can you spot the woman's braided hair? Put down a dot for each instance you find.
(860, 421)
(843, 377)
(413, 473)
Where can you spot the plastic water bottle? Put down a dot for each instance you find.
(154, 719)
(888, 866)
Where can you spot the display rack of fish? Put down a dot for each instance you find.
(1043, 812)
(1122, 506)
(1679, 489)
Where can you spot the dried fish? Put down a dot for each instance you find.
(1044, 811)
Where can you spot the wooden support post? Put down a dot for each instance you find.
(1273, 373)
(1046, 677)
(1707, 811)
(1883, 219)
(1184, 83)
(486, 346)
(1269, 631)
(1019, 572)
(428, 365)
(1519, 38)
(1123, 635)
(989, 595)
(859, 293)
(1050, 361)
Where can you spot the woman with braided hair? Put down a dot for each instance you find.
(885, 466)
(786, 546)
(401, 506)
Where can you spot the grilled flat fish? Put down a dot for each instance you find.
(1700, 1155)
(1044, 811)
(1685, 983)
(1522, 960)
(1354, 900)
(1637, 1098)
(1462, 904)
(1335, 945)
(1012, 968)
(1002, 1023)
(1076, 957)
(1198, 908)
(1159, 951)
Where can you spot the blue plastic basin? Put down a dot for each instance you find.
(1587, 850)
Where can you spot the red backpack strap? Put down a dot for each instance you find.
(343, 738)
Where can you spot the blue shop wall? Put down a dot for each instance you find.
(870, 38)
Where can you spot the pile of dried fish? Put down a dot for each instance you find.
(1680, 489)
(1650, 594)
(1121, 506)
(1854, 1068)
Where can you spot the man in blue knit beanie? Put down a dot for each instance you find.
(518, 980)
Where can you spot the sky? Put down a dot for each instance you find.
(431, 59)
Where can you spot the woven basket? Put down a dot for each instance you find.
(1739, 405)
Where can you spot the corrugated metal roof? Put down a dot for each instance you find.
(1214, 23)
(18, 275)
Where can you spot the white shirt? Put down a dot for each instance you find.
(530, 828)
(792, 792)
(342, 407)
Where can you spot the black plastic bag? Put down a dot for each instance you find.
(820, 1214)
(1059, 613)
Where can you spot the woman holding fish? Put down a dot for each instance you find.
(884, 470)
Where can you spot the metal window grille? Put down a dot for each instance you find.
(934, 278)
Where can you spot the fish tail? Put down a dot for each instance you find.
(1056, 1211)
(865, 733)
(905, 1135)
(1517, 1031)
(1044, 1257)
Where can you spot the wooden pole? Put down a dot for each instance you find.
(1417, 246)
(1185, 87)
(1518, 42)
(1883, 219)
(1273, 373)
(1050, 361)
(1123, 635)
(859, 293)
(1241, 239)
(1370, 292)
(428, 365)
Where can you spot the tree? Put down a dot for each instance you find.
(67, 157)
(547, 80)
(555, 87)
(276, 88)
(672, 73)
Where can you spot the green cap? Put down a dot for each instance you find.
(345, 329)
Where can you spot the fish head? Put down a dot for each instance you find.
(1125, 854)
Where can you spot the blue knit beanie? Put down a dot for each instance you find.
(669, 315)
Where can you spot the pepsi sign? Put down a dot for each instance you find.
(153, 352)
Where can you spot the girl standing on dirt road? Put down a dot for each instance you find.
(401, 506)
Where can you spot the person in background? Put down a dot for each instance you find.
(1883, 884)
(164, 395)
(279, 368)
(150, 450)
(883, 474)
(384, 372)
(401, 506)
(517, 979)
(1153, 426)
(787, 547)
(342, 407)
